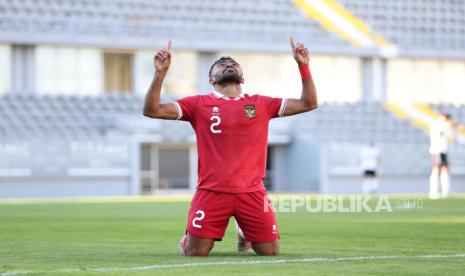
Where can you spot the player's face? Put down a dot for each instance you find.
(227, 71)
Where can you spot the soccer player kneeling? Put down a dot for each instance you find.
(231, 128)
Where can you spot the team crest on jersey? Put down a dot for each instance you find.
(249, 110)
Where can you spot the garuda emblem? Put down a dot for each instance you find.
(249, 110)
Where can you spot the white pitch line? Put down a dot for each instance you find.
(274, 261)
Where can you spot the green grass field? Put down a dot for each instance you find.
(140, 236)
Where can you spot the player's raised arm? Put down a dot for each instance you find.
(308, 101)
(152, 107)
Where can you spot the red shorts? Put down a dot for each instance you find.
(210, 212)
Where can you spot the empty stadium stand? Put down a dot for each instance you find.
(417, 27)
(414, 25)
(30, 116)
(35, 116)
(73, 117)
(193, 24)
(357, 123)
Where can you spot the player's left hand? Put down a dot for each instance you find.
(300, 53)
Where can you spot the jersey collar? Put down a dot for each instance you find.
(219, 95)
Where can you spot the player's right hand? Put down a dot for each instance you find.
(162, 59)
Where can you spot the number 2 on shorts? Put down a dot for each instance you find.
(198, 218)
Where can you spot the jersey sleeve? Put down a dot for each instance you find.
(186, 107)
(274, 106)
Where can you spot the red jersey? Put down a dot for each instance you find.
(232, 138)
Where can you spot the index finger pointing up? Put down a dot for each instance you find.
(169, 45)
(292, 43)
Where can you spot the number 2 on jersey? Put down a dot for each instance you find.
(216, 122)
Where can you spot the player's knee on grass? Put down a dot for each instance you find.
(198, 247)
(197, 252)
(266, 248)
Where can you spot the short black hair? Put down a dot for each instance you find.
(218, 61)
(447, 116)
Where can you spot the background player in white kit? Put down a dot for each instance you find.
(369, 163)
(441, 133)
